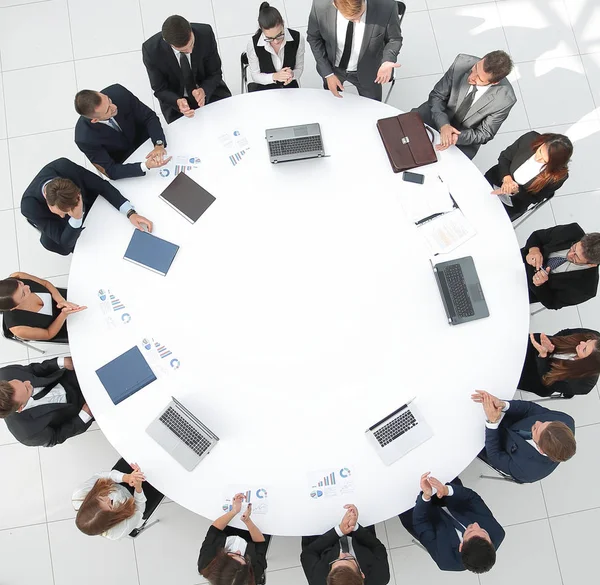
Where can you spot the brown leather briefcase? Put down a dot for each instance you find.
(408, 142)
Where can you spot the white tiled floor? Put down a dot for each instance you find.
(51, 48)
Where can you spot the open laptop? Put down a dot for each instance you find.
(461, 290)
(180, 433)
(295, 142)
(398, 433)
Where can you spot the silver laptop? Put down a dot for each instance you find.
(295, 142)
(398, 433)
(180, 433)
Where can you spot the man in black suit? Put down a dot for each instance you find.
(456, 527)
(562, 266)
(59, 198)
(523, 439)
(184, 67)
(113, 124)
(42, 403)
(348, 554)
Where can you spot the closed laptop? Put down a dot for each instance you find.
(187, 197)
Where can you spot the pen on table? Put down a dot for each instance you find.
(428, 218)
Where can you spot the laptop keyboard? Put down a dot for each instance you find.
(182, 429)
(457, 288)
(295, 145)
(395, 428)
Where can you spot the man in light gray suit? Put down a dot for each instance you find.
(469, 104)
(357, 41)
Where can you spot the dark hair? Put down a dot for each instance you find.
(344, 576)
(498, 65)
(225, 570)
(269, 16)
(572, 369)
(557, 441)
(478, 554)
(86, 102)
(8, 287)
(176, 30)
(62, 193)
(560, 149)
(7, 399)
(591, 247)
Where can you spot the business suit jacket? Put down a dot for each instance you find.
(108, 148)
(511, 158)
(370, 554)
(48, 424)
(58, 229)
(485, 116)
(536, 367)
(563, 288)
(381, 42)
(509, 452)
(435, 531)
(165, 74)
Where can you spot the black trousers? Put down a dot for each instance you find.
(372, 91)
(260, 87)
(153, 496)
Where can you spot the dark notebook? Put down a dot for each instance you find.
(125, 375)
(187, 197)
(152, 252)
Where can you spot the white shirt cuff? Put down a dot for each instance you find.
(450, 489)
(60, 362)
(143, 167)
(328, 75)
(84, 416)
(124, 209)
(425, 499)
(506, 405)
(75, 223)
(495, 425)
(338, 531)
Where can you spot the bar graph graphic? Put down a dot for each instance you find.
(116, 303)
(163, 352)
(236, 157)
(327, 480)
(325, 483)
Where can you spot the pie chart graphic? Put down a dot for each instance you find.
(345, 472)
(261, 493)
(316, 493)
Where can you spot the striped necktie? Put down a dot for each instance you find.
(555, 262)
(114, 125)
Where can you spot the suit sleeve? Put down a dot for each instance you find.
(467, 498)
(142, 113)
(95, 184)
(317, 44)
(159, 82)
(52, 436)
(497, 456)
(311, 555)
(507, 155)
(44, 369)
(393, 37)
(520, 409)
(424, 526)
(439, 96)
(380, 570)
(486, 129)
(98, 155)
(212, 67)
(541, 238)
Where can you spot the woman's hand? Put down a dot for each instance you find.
(542, 351)
(236, 504)
(246, 515)
(63, 303)
(283, 75)
(546, 343)
(509, 186)
(69, 310)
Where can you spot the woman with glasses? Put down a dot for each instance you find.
(275, 53)
(348, 554)
(230, 556)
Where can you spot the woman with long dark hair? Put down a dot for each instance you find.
(530, 170)
(275, 52)
(230, 556)
(568, 362)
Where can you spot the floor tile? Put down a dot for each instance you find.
(8, 3)
(243, 20)
(550, 321)
(155, 12)
(3, 133)
(11, 352)
(538, 564)
(547, 107)
(517, 117)
(585, 20)
(293, 576)
(19, 547)
(230, 50)
(284, 552)
(397, 534)
(168, 551)
(475, 30)
(24, 487)
(6, 201)
(74, 554)
(562, 489)
(414, 5)
(541, 219)
(591, 64)
(298, 11)
(583, 208)
(22, 98)
(537, 29)
(590, 313)
(45, 25)
(381, 532)
(411, 92)
(585, 410)
(435, 4)
(29, 154)
(93, 454)
(575, 540)
(419, 54)
(124, 68)
(9, 260)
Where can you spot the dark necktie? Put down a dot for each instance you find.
(45, 390)
(186, 70)
(555, 262)
(463, 109)
(455, 522)
(347, 46)
(344, 545)
(114, 125)
(525, 434)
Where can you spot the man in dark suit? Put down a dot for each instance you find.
(348, 554)
(523, 439)
(469, 104)
(355, 41)
(561, 264)
(59, 198)
(456, 527)
(113, 124)
(184, 67)
(42, 403)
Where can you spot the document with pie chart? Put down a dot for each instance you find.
(255, 495)
(329, 483)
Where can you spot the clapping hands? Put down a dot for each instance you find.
(350, 519)
(543, 348)
(492, 406)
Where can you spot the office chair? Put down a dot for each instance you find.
(401, 11)
(502, 476)
(8, 334)
(528, 212)
(244, 70)
(556, 396)
(538, 311)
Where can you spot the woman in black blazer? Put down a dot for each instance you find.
(530, 170)
(229, 555)
(568, 362)
(34, 309)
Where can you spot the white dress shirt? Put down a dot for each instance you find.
(118, 495)
(357, 39)
(479, 89)
(277, 58)
(46, 299)
(528, 170)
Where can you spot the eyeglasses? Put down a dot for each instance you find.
(276, 38)
(345, 558)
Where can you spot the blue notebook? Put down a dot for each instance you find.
(125, 375)
(147, 250)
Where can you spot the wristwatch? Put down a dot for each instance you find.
(159, 143)
(131, 212)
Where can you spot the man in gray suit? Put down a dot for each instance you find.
(355, 41)
(469, 104)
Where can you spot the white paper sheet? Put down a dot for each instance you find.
(421, 201)
(446, 232)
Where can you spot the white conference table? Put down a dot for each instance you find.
(303, 308)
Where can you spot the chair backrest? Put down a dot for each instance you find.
(6, 331)
(401, 10)
(244, 70)
(529, 212)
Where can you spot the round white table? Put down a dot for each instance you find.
(303, 308)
